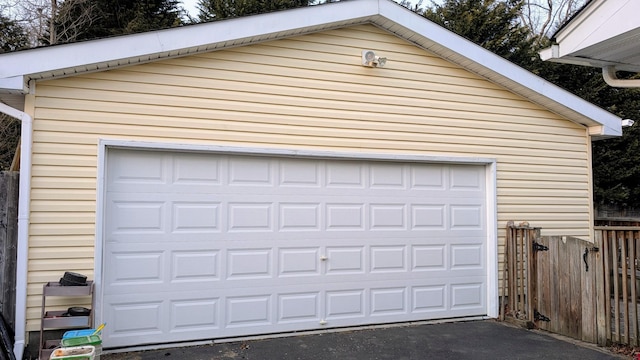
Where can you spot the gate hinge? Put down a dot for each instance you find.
(540, 317)
(539, 247)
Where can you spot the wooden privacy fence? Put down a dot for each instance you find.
(550, 282)
(8, 243)
(620, 272)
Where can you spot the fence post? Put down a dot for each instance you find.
(8, 243)
(601, 291)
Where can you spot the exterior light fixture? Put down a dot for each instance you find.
(369, 58)
(627, 122)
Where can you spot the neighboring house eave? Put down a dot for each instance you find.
(102, 54)
(602, 34)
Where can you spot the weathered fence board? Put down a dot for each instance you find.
(559, 274)
(618, 296)
(9, 185)
(565, 293)
(518, 273)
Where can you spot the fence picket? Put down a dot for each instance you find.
(621, 275)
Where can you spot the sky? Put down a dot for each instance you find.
(190, 6)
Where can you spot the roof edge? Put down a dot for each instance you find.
(386, 14)
(183, 40)
(495, 68)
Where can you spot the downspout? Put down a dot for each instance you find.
(24, 200)
(609, 76)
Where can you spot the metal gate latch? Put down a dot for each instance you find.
(584, 256)
(539, 317)
(539, 247)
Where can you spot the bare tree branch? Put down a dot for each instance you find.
(544, 16)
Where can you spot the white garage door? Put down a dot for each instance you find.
(201, 246)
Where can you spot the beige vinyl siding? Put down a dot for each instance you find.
(308, 92)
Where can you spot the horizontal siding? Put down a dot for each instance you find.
(306, 92)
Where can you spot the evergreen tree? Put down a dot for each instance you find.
(12, 36)
(91, 19)
(222, 9)
(492, 24)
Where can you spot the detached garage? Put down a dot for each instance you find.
(260, 175)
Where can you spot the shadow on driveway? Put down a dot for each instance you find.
(474, 340)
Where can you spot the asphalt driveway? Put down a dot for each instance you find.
(474, 340)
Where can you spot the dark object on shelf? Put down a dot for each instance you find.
(73, 279)
(77, 311)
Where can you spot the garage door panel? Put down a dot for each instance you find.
(139, 317)
(345, 304)
(299, 262)
(196, 170)
(388, 259)
(299, 173)
(428, 257)
(467, 296)
(429, 298)
(214, 245)
(195, 266)
(467, 256)
(389, 301)
(299, 216)
(466, 178)
(249, 171)
(127, 168)
(299, 307)
(134, 270)
(345, 216)
(345, 175)
(428, 177)
(194, 314)
(248, 311)
(428, 217)
(344, 260)
(148, 320)
(249, 264)
(130, 216)
(466, 216)
(196, 217)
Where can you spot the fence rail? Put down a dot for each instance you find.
(620, 263)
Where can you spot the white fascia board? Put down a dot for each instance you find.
(501, 71)
(14, 85)
(549, 53)
(552, 54)
(182, 40)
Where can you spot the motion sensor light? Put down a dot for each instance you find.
(627, 122)
(369, 58)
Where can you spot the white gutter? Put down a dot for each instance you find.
(609, 76)
(23, 226)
